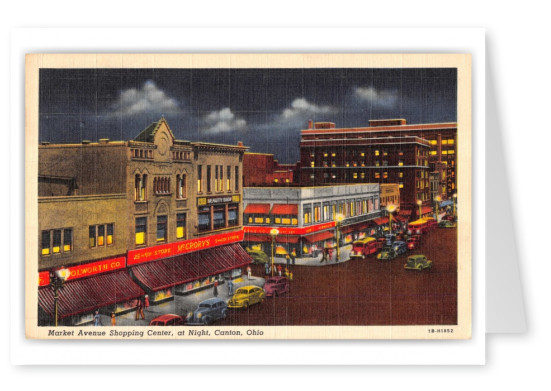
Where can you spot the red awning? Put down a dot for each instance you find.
(178, 270)
(287, 239)
(405, 212)
(426, 209)
(260, 209)
(399, 218)
(381, 220)
(320, 236)
(354, 227)
(89, 294)
(285, 209)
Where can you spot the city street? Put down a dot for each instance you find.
(366, 292)
(356, 292)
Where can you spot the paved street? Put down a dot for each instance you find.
(352, 292)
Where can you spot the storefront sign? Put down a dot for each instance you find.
(290, 230)
(187, 246)
(86, 270)
(202, 201)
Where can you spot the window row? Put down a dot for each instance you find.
(142, 153)
(100, 235)
(161, 185)
(357, 153)
(267, 219)
(161, 229)
(57, 241)
(215, 217)
(206, 184)
(181, 155)
(321, 212)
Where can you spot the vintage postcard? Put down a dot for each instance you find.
(248, 196)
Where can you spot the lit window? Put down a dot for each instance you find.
(433, 142)
(376, 153)
(401, 185)
(444, 142)
(401, 175)
(199, 178)
(355, 175)
(451, 141)
(67, 240)
(56, 244)
(45, 242)
(451, 152)
(141, 230)
(433, 152)
(444, 152)
(92, 235)
(180, 225)
(162, 223)
(400, 163)
(362, 154)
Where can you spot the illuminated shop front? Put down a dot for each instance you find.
(190, 265)
(103, 286)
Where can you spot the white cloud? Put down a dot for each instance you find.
(148, 99)
(301, 110)
(222, 121)
(383, 98)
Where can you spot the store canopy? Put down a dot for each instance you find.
(260, 209)
(89, 294)
(354, 227)
(426, 209)
(285, 209)
(317, 237)
(267, 238)
(399, 218)
(178, 270)
(405, 212)
(381, 220)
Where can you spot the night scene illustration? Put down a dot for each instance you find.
(210, 198)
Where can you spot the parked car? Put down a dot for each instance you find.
(399, 247)
(387, 253)
(246, 296)
(258, 256)
(446, 224)
(418, 262)
(413, 242)
(207, 312)
(275, 286)
(167, 320)
(448, 218)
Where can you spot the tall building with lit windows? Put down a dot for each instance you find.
(151, 215)
(387, 151)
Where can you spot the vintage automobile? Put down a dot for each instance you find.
(275, 286)
(448, 218)
(418, 262)
(446, 224)
(413, 242)
(363, 247)
(207, 312)
(258, 256)
(387, 253)
(399, 247)
(246, 296)
(167, 320)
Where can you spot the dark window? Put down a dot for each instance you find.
(110, 234)
(219, 217)
(236, 178)
(45, 242)
(67, 239)
(233, 215)
(92, 235)
(204, 218)
(228, 179)
(162, 228)
(209, 189)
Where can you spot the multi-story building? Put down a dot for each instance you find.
(261, 169)
(306, 217)
(336, 156)
(151, 215)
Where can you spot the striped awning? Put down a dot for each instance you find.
(89, 294)
(178, 270)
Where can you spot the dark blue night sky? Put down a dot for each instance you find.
(264, 108)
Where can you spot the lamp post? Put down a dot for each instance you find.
(419, 202)
(338, 221)
(437, 199)
(273, 233)
(57, 278)
(454, 202)
(390, 209)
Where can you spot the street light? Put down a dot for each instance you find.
(338, 221)
(454, 202)
(390, 209)
(437, 199)
(57, 278)
(419, 202)
(273, 233)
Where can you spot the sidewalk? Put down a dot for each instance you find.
(181, 305)
(310, 261)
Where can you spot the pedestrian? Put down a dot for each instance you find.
(287, 272)
(329, 254)
(290, 276)
(288, 260)
(113, 319)
(267, 268)
(97, 319)
(230, 287)
(146, 301)
(215, 289)
(249, 272)
(324, 255)
(279, 270)
(293, 256)
(139, 309)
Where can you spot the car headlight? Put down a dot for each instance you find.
(199, 315)
(190, 314)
